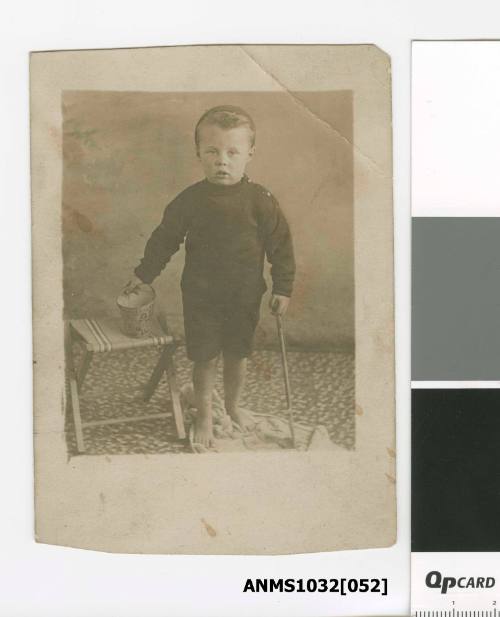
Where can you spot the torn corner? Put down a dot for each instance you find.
(384, 55)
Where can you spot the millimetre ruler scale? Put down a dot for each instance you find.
(457, 613)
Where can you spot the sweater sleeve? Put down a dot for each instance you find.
(279, 247)
(165, 240)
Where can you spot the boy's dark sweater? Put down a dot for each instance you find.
(228, 231)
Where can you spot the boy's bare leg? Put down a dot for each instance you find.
(235, 370)
(204, 374)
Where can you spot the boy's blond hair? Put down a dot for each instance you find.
(226, 117)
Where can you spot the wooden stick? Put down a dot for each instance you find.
(288, 391)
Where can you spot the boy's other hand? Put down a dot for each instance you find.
(278, 304)
(132, 285)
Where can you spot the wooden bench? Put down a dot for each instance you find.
(103, 336)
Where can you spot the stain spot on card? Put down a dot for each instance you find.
(391, 452)
(210, 530)
(391, 479)
(382, 343)
(82, 221)
(56, 137)
(359, 410)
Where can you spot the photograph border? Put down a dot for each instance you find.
(339, 500)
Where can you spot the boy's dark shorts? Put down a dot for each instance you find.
(212, 327)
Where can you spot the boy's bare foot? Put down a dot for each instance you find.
(203, 431)
(243, 419)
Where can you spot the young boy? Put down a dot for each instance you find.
(229, 224)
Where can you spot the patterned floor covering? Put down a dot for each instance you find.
(322, 386)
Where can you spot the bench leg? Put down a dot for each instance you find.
(174, 394)
(166, 365)
(84, 367)
(154, 380)
(73, 390)
(75, 406)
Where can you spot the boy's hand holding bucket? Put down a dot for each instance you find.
(136, 304)
(132, 285)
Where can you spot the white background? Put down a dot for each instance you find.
(456, 129)
(37, 580)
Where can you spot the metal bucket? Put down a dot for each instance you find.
(136, 309)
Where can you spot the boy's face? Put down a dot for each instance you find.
(224, 153)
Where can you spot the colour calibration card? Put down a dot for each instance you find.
(455, 329)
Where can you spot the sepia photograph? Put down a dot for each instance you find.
(213, 298)
(208, 256)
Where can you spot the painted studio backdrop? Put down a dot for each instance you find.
(126, 155)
